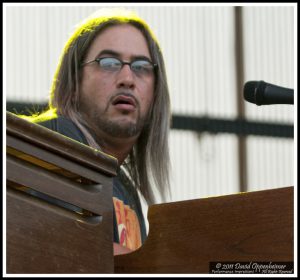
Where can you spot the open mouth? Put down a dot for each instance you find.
(124, 100)
(124, 103)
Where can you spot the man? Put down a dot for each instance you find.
(110, 92)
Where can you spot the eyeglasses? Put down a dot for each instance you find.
(112, 64)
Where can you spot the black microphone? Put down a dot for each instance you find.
(262, 93)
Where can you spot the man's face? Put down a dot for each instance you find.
(117, 103)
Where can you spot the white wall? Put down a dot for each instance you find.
(198, 44)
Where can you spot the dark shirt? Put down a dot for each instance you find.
(124, 192)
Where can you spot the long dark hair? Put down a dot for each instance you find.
(148, 162)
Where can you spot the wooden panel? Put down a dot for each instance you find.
(59, 203)
(91, 197)
(59, 144)
(185, 236)
(44, 238)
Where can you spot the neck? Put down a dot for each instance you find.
(117, 147)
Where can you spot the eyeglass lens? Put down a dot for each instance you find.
(114, 64)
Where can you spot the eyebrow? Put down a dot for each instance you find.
(118, 55)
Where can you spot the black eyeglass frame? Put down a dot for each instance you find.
(121, 61)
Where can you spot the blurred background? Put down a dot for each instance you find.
(220, 144)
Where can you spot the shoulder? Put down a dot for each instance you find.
(65, 127)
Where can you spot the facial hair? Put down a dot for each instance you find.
(100, 120)
(121, 130)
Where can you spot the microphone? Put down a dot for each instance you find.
(262, 93)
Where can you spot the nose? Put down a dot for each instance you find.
(125, 78)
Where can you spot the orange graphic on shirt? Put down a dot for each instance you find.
(128, 225)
